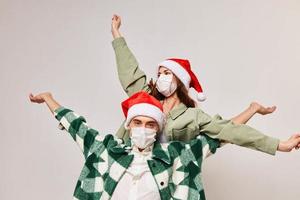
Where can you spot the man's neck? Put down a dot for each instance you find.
(143, 150)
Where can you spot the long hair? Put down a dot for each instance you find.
(181, 91)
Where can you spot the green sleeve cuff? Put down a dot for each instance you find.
(58, 114)
(120, 41)
(271, 145)
(57, 110)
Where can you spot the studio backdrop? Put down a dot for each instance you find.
(241, 51)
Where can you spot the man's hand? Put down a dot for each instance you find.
(45, 97)
(40, 98)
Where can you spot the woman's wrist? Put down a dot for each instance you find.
(116, 33)
(254, 107)
(282, 146)
(285, 146)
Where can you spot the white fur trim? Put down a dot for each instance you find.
(145, 109)
(178, 70)
(201, 96)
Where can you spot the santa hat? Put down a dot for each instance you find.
(141, 103)
(182, 69)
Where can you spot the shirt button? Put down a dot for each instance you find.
(162, 183)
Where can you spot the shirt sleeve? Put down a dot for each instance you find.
(209, 145)
(132, 78)
(239, 134)
(86, 137)
(202, 147)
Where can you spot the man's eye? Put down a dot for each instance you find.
(150, 125)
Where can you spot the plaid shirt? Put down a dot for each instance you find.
(175, 166)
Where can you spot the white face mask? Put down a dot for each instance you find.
(165, 85)
(142, 137)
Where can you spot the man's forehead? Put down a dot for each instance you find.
(144, 119)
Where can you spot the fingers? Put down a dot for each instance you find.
(296, 143)
(31, 97)
(271, 109)
(34, 99)
(116, 18)
(295, 136)
(268, 110)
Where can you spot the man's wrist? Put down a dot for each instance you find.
(47, 96)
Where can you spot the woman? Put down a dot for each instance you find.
(184, 120)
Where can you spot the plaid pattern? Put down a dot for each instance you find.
(175, 166)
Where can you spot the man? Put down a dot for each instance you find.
(141, 168)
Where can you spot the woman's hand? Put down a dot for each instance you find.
(45, 97)
(116, 22)
(40, 98)
(115, 26)
(290, 144)
(261, 109)
(254, 108)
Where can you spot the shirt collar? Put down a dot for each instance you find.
(122, 148)
(160, 154)
(177, 110)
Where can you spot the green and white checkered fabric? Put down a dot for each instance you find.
(176, 166)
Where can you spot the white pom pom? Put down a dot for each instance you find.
(201, 96)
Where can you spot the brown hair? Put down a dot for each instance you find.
(181, 91)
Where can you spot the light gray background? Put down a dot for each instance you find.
(241, 51)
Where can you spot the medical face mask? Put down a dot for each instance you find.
(165, 85)
(142, 137)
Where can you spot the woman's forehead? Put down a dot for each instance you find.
(163, 69)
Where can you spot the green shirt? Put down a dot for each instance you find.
(185, 123)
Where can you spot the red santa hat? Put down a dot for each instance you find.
(141, 103)
(182, 69)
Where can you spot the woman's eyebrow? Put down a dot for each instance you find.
(165, 70)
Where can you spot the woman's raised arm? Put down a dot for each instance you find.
(132, 78)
